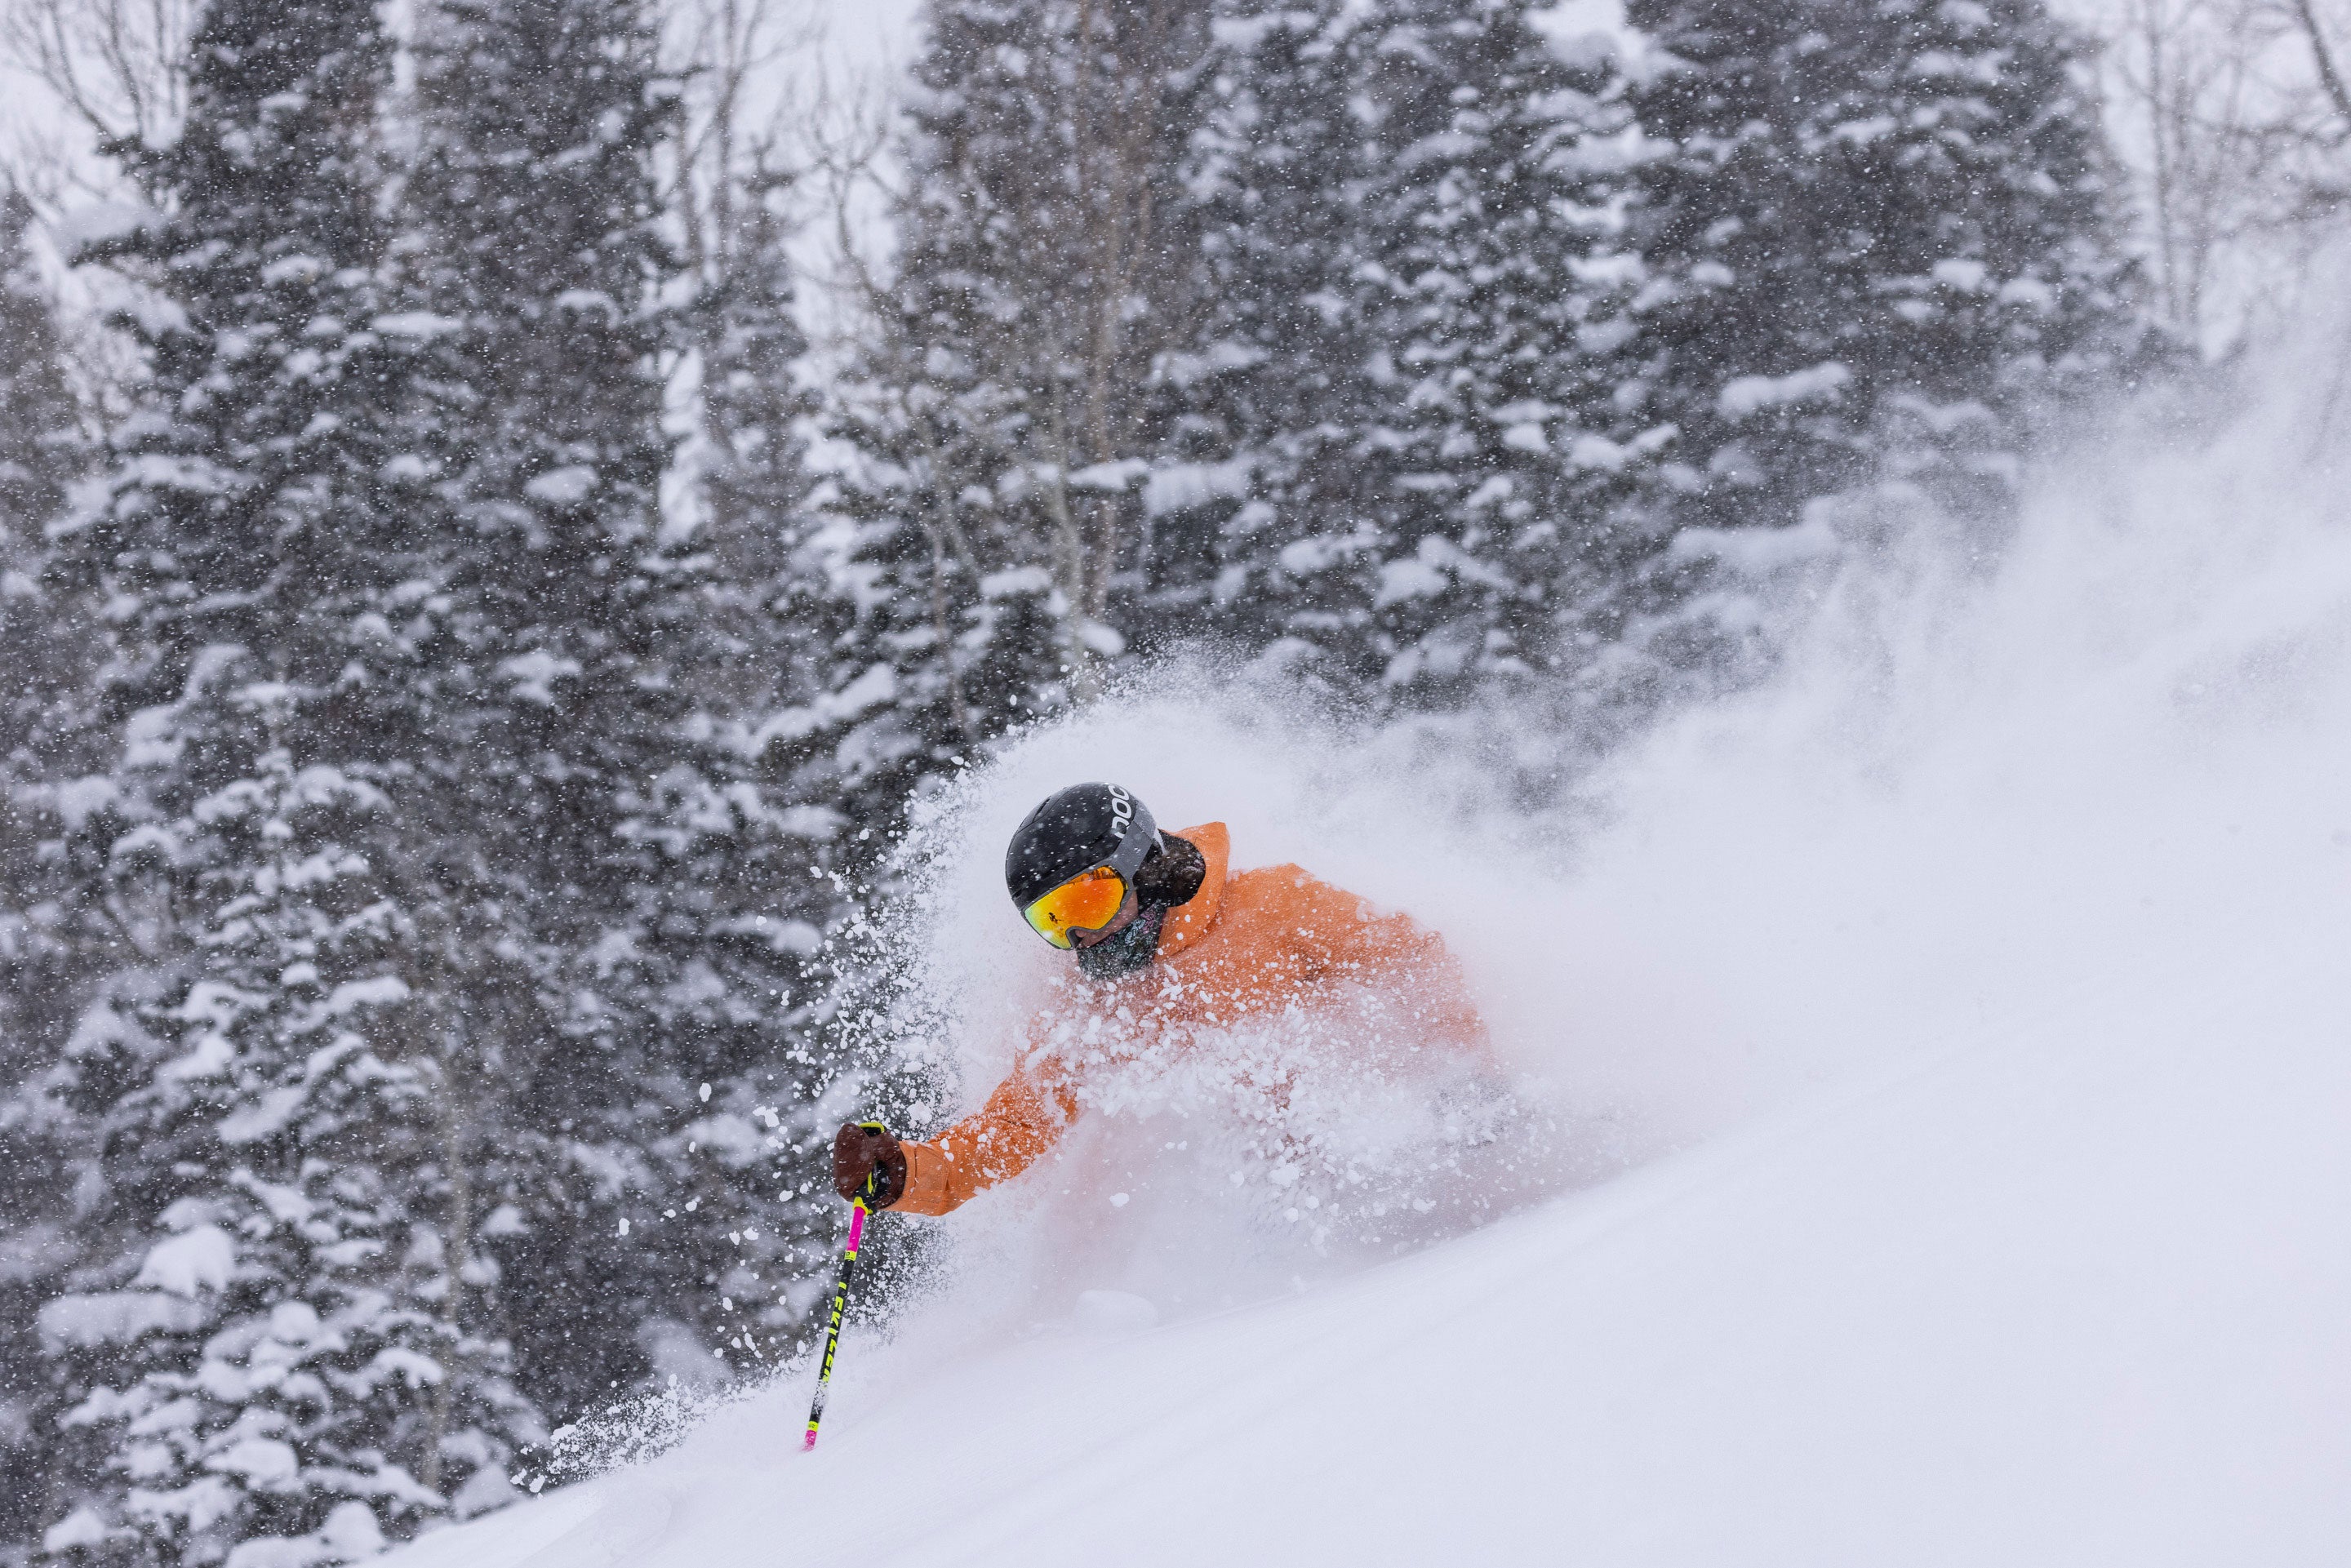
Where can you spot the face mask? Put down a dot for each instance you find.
(1117, 957)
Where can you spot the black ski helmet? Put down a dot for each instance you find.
(1074, 831)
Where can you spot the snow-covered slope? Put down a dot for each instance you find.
(1993, 974)
(2077, 1295)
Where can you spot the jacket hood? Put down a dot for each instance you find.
(1189, 921)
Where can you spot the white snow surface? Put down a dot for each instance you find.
(1969, 1014)
(2074, 1296)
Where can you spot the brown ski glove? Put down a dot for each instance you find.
(859, 1152)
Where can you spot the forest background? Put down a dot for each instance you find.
(510, 509)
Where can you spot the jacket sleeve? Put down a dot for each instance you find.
(1020, 1123)
(1342, 937)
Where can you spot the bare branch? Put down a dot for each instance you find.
(117, 66)
(2322, 58)
(2234, 115)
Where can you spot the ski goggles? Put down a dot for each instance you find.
(1087, 902)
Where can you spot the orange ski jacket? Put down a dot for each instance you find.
(1247, 942)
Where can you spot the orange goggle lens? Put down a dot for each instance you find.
(1087, 902)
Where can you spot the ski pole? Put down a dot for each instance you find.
(857, 1213)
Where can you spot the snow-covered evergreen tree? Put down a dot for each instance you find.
(773, 625)
(279, 1375)
(756, 483)
(49, 951)
(1280, 372)
(768, 885)
(1864, 240)
(46, 640)
(607, 873)
(42, 448)
(1470, 270)
(1397, 192)
(267, 1365)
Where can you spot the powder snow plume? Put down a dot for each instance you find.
(1980, 778)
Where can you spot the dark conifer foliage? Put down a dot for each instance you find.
(262, 294)
(257, 1337)
(1405, 499)
(42, 447)
(1280, 377)
(1856, 234)
(48, 942)
(756, 485)
(608, 862)
(47, 643)
(773, 628)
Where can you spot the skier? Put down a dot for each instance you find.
(1165, 934)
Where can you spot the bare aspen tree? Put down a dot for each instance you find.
(2236, 114)
(119, 67)
(2316, 36)
(1123, 300)
(728, 51)
(1040, 243)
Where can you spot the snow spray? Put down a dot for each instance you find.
(1984, 772)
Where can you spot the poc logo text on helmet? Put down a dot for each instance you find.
(1121, 811)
